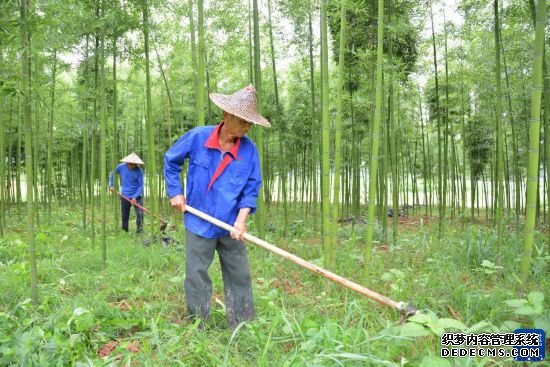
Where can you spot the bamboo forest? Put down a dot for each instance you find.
(274, 183)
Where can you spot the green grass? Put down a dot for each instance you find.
(302, 319)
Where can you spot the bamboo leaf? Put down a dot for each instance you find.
(412, 329)
(434, 361)
(420, 318)
(176, 279)
(79, 311)
(436, 328)
(536, 299)
(516, 303)
(526, 310)
(480, 326)
(510, 326)
(543, 323)
(452, 324)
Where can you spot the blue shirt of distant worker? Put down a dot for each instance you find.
(131, 182)
(223, 181)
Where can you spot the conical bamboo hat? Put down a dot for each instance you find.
(242, 104)
(132, 158)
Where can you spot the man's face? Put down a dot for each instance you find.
(131, 165)
(235, 125)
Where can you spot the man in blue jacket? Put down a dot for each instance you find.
(131, 177)
(223, 181)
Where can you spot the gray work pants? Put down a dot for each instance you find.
(237, 282)
(125, 207)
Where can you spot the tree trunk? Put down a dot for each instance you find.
(115, 158)
(260, 211)
(26, 86)
(93, 155)
(393, 139)
(446, 132)
(338, 136)
(3, 137)
(325, 136)
(102, 143)
(151, 148)
(194, 58)
(84, 163)
(200, 66)
(534, 138)
(500, 141)
(440, 199)
(19, 145)
(281, 128)
(49, 157)
(425, 170)
(314, 130)
(375, 136)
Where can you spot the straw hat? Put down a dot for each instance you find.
(132, 158)
(242, 104)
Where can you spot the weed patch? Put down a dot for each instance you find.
(132, 310)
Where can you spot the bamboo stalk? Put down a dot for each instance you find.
(534, 139)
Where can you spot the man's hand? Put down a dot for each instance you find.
(133, 201)
(111, 189)
(178, 202)
(240, 225)
(240, 230)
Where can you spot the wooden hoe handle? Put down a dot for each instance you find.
(140, 207)
(402, 307)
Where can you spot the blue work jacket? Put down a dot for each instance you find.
(219, 193)
(131, 181)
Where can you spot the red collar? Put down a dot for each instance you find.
(214, 143)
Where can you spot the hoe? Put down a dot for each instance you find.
(405, 309)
